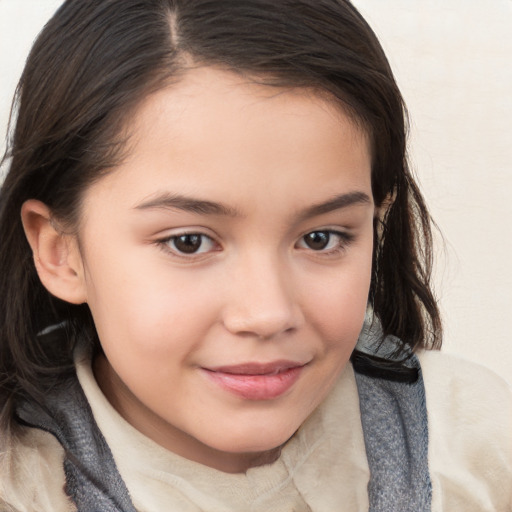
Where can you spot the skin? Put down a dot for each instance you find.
(254, 290)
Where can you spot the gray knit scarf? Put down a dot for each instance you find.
(393, 416)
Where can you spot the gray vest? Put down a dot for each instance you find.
(393, 416)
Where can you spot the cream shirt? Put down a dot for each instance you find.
(306, 477)
(323, 468)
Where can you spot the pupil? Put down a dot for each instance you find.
(317, 240)
(188, 243)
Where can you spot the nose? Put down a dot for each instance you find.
(263, 301)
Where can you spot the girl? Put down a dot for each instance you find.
(215, 272)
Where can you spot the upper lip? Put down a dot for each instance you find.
(251, 368)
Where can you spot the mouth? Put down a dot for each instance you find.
(256, 381)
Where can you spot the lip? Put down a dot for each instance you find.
(256, 381)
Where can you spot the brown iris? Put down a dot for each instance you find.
(317, 240)
(188, 244)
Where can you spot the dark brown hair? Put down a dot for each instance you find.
(96, 60)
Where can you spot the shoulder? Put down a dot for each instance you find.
(470, 430)
(466, 391)
(32, 473)
(443, 372)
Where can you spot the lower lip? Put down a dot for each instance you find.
(256, 387)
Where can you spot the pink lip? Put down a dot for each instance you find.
(255, 381)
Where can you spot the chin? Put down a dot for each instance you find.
(257, 439)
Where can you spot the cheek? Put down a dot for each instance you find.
(148, 309)
(337, 303)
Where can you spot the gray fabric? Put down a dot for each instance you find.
(92, 478)
(394, 419)
(393, 415)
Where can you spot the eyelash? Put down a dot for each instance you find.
(344, 240)
(167, 243)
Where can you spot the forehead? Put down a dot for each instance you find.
(220, 134)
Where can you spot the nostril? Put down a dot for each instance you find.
(263, 325)
(284, 332)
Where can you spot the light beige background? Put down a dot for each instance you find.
(453, 62)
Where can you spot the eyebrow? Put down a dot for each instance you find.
(336, 203)
(203, 207)
(187, 204)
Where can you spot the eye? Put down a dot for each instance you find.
(324, 240)
(190, 243)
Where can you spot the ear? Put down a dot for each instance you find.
(56, 254)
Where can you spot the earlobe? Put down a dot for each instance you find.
(56, 254)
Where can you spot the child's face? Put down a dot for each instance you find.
(227, 265)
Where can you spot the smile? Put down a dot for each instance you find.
(253, 381)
